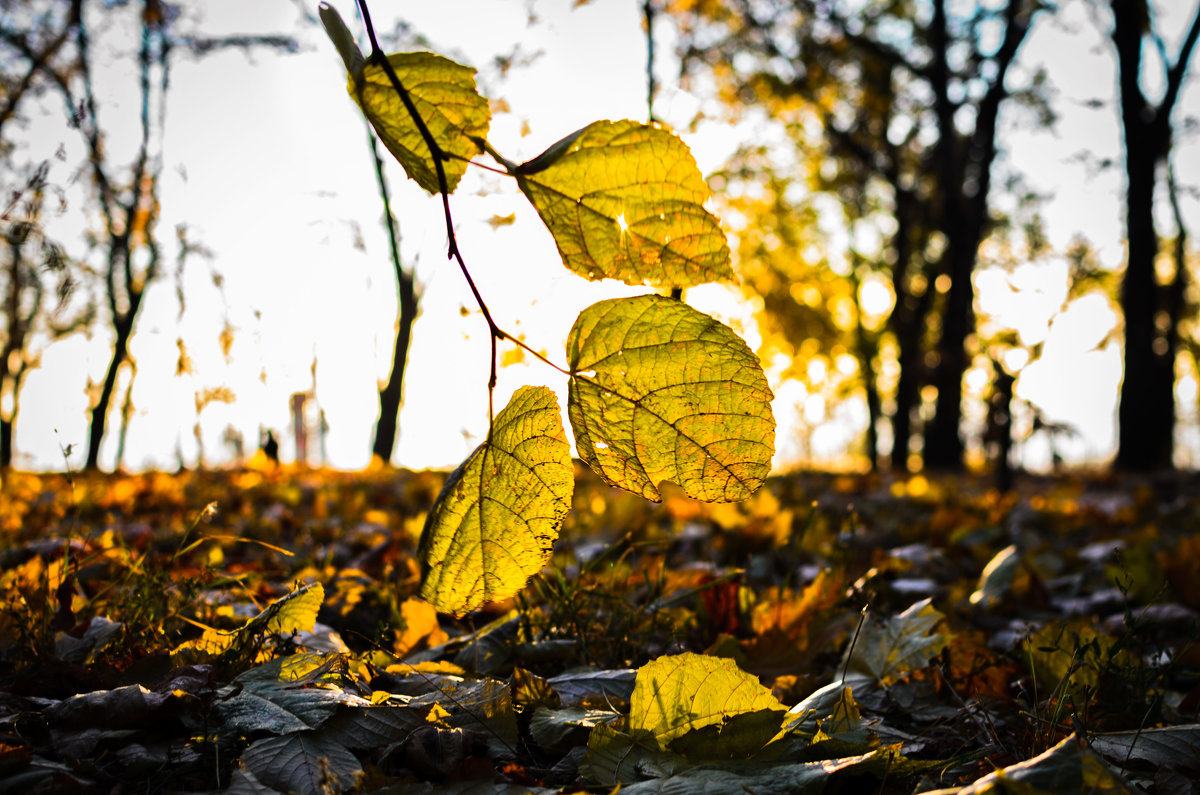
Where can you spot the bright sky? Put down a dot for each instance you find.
(279, 187)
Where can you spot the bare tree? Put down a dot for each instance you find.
(36, 277)
(36, 282)
(125, 193)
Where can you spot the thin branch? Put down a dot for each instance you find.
(38, 61)
(1177, 291)
(89, 125)
(1179, 69)
(648, 12)
(983, 137)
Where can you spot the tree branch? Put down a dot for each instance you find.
(1178, 70)
(983, 137)
(38, 61)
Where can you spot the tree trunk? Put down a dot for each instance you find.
(1142, 446)
(943, 446)
(965, 167)
(907, 323)
(867, 355)
(1176, 305)
(908, 388)
(909, 328)
(127, 415)
(943, 442)
(123, 326)
(1146, 414)
(867, 348)
(392, 395)
(6, 443)
(998, 437)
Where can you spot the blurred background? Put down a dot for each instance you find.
(961, 230)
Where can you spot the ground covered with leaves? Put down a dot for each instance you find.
(258, 631)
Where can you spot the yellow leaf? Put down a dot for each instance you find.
(688, 693)
(512, 357)
(212, 643)
(660, 391)
(441, 667)
(625, 201)
(443, 93)
(420, 623)
(296, 612)
(499, 513)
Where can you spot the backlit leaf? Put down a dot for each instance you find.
(996, 580)
(660, 391)
(1073, 651)
(499, 513)
(625, 201)
(442, 91)
(685, 693)
(296, 612)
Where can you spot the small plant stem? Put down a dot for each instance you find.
(510, 166)
(862, 617)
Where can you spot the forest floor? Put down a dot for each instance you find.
(258, 631)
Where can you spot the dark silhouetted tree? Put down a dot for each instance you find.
(908, 97)
(1152, 312)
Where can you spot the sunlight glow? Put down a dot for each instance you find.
(1015, 358)
(309, 293)
(977, 380)
(814, 409)
(875, 296)
(817, 370)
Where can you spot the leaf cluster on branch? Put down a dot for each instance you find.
(658, 391)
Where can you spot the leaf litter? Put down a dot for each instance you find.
(830, 634)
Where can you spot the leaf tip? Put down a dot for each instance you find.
(342, 39)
